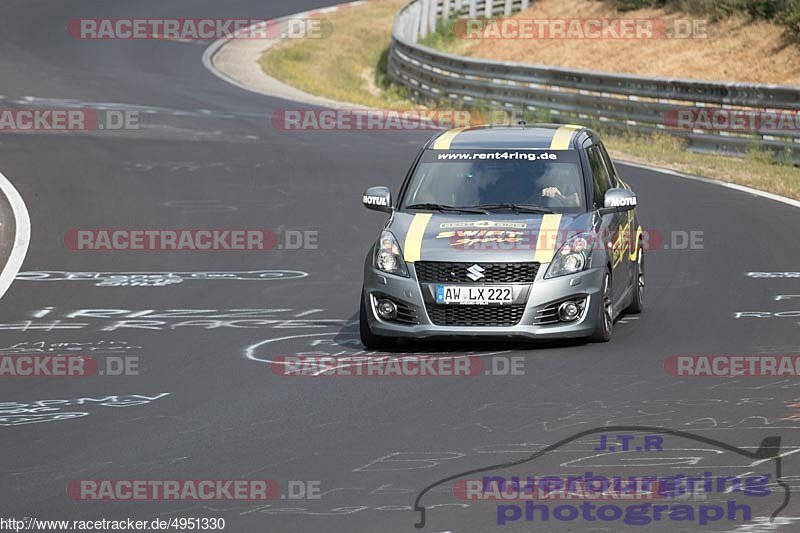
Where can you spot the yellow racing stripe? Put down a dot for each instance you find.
(562, 137)
(413, 245)
(445, 139)
(547, 239)
(634, 246)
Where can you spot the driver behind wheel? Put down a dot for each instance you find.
(561, 187)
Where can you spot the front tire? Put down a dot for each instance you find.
(370, 340)
(605, 314)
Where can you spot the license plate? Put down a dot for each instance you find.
(465, 295)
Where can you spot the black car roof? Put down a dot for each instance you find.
(520, 137)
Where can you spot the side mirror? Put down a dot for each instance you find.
(618, 200)
(378, 199)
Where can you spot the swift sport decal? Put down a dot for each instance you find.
(537, 240)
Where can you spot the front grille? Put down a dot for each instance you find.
(406, 314)
(475, 315)
(547, 315)
(445, 272)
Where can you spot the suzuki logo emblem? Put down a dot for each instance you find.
(475, 272)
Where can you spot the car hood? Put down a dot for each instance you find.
(484, 238)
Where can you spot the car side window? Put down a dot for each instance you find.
(609, 165)
(600, 175)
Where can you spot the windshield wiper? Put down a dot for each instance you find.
(449, 208)
(518, 208)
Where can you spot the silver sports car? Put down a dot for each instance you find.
(504, 231)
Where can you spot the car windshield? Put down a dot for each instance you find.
(495, 180)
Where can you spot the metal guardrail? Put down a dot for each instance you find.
(616, 101)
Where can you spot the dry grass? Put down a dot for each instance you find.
(736, 49)
(342, 66)
(758, 170)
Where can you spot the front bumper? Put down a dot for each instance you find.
(542, 293)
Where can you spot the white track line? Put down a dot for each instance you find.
(22, 234)
(734, 186)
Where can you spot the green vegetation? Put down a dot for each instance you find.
(785, 12)
(444, 38)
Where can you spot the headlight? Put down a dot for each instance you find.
(572, 257)
(388, 257)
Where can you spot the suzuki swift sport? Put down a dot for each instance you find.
(504, 232)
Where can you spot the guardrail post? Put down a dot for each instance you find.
(489, 9)
(432, 16)
(415, 25)
(473, 9)
(509, 7)
(423, 22)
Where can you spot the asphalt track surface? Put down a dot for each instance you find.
(209, 407)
